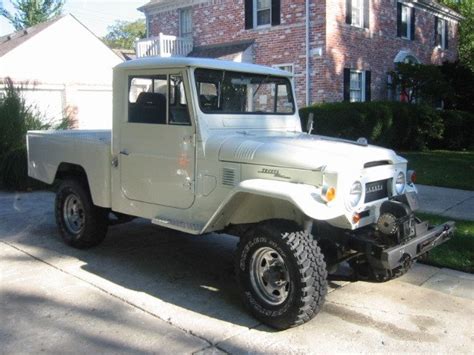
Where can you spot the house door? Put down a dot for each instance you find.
(156, 144)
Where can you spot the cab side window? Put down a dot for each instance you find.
(158, 99)
(179, 113)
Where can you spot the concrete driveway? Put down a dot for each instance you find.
(147, 289)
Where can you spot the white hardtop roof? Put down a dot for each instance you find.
(173, 62)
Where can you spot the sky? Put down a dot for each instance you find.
(95, 14)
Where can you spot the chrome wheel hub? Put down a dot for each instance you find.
(269, 276)
(73, 214)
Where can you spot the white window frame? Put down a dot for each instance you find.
(442, 23)
(255, 15)
(361, 14)
(183, 12)
(408, 10)
(287, 65)
(362, 84)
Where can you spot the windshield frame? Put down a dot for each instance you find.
(266, 78)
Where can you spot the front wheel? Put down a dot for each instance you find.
(81, 224)
(282, 274)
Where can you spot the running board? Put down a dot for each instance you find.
(191, 228)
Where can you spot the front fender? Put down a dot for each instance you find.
(305, 198)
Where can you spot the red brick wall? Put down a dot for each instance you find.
(341, 45)
(376, 48)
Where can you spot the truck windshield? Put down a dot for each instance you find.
(227, 92)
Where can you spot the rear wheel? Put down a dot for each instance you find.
(81, 224)
(281, 273)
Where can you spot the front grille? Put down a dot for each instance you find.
(376, 190)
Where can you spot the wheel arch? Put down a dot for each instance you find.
(250, 208)
(67, 170)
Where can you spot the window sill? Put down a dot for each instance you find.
(262, 27)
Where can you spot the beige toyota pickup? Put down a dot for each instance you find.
(206, 146)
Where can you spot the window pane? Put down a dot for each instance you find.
(356, 12)
(355, 80)
(137, 86)
(178, 114)
(264, 4)
(263, 17)
(186, 23)
(288, 68)
(147, 100)
(237, 93)
(355, 96)
(405, 16)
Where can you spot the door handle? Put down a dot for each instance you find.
(124, 152)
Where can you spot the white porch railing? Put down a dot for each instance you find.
(164, 46)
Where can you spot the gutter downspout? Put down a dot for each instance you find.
(308, 86)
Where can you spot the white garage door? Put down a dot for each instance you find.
(48, 102)
(94, 109)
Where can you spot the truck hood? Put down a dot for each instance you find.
(302, 151)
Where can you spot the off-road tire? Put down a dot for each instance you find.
(306, 269)
(94, 219)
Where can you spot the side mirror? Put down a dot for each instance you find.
(310, 123)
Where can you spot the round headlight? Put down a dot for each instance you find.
(355, 194)
(400, 183)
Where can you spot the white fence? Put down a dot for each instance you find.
(164, 46)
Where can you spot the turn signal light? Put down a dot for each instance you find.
(356, 218)
(328, 193)
(411, 174)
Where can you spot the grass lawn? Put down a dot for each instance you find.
(443, 168)
(457, 253)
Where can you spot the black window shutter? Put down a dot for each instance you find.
(366, 14)
(446, 34)
(436, 32)
(412, 23)
(349, 12)
(368, 78)
(248, 14)
(399, 19)
(347, 84)
(276, 12)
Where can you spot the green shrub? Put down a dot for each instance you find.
(14, 170)
(390, 124)
(16, 118)
(458, 131)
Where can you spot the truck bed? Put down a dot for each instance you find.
(49, 151)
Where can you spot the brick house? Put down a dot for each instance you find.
(337, 49)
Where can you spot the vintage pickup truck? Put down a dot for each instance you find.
(206, 146)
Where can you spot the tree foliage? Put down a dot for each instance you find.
(466, 29)
(420, 82)
(123, 34)
(32, 12)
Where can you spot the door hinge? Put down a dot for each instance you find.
(189, 185)
(190, 140)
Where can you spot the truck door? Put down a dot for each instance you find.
(156, 144)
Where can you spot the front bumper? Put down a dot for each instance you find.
(406, 238)
(426, 239)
